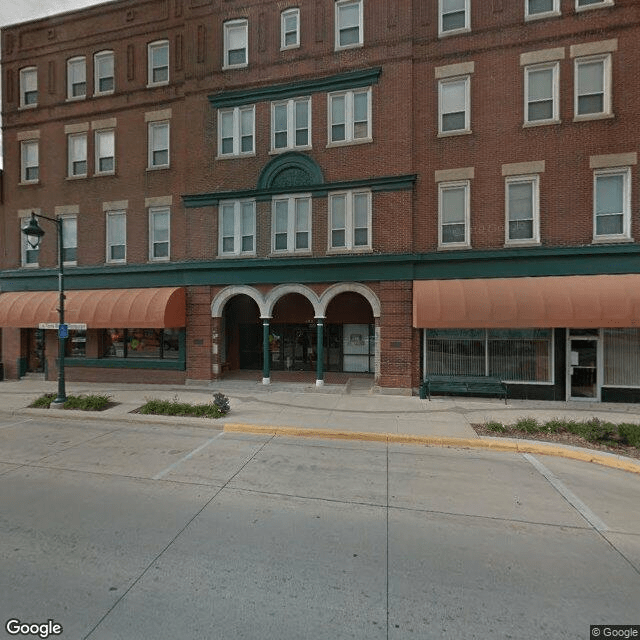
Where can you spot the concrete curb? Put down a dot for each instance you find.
(493, 444)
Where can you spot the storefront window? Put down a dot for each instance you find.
(157, 344)
(515, 355)
(622, 357)
(76, 344)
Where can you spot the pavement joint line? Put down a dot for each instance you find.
(567, 494)
(492, 444)
(189, 455)
(15, 424)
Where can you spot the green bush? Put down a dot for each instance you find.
(529, 425)
(594, 430)
(629, 434)
(497, 427)
(44, 401)
(175, 408)
(84, 403)
(222, 402)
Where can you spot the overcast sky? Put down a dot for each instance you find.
(22, 10)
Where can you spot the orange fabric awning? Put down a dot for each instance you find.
(98, 309)
(542, 302)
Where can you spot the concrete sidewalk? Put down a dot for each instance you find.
(350, 410)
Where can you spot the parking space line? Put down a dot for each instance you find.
(177, 463)
(568, 495)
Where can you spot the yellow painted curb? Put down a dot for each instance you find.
(494, 444)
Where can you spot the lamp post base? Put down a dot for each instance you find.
(57, 404)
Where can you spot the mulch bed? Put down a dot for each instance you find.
(560, 438)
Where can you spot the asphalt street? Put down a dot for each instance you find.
(134, 531)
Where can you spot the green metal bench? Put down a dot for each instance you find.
(464, 385)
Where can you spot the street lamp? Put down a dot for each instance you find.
(34, 235)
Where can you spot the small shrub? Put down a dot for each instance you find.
(222, 402)
(175, 408)
(594, 430)
(629, 434)
(87, 403)
(528, 425)
(44, 401)
(496, 427)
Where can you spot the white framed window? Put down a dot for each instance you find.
(453, 16)
(29, 255)
(612, 204)
(581, 5)
(237, 228)
(158, 145)
(105, 151)
(592, 87)
(522, 207)
(236, 131)
(158, 62)
(291, 224)
(291, 124)
(534, 9)
(350, 116)
(28, 87)
(69, 239)
(348, 23)
(159, 233)
(30, 163)
(290, 29)
(236, 44)
(454, 214)
(454, 100)
(116, 236)
(77, 155)
(76, 78)
(542, 93)
(350, 220)
(103, 73)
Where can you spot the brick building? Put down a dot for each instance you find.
(395, 188)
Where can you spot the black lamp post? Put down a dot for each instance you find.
(34, 235)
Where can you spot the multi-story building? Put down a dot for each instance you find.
(399, 187)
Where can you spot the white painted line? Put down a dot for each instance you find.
(15, 424)
(568, 495)
(171, 467)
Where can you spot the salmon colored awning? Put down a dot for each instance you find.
(98, 309)
(543, 302)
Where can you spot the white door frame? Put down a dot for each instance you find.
(599, 365)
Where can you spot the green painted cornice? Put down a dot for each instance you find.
(284, 91)
(498, 263)
(385, 183)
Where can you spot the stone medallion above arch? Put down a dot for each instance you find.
(350, 287)
(221, 299)
(291, 170)
(284, 289)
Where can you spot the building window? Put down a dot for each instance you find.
(29, 254)
(76, 78)
(621, 349)
(77, 154)
(592, 4)
(236, 44)
(454, 101)
(454, 16)
(158, 63)
(350, 116)
(69, 239)
(158, 145)
(290, 29)
(29, 87)
(236, 131)
(593, 87)
(612, 203)
(103, 71)
(116, 236)
(350, 215)
(105, 151)
(237, 228)
(454, 214)
(541, 8)
(291, 224)
(522, 209)
(348, 23)
(541, 93)
(159, 233)
(290, 124)
(29, 152)
(156, 344)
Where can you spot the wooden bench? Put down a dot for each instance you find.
(468, 385)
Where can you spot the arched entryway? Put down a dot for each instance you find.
(241, 334)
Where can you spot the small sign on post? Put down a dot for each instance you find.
(71, 326)
(63, 331)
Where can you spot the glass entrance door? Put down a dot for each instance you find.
(583, 368)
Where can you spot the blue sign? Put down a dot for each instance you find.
(63, 331)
